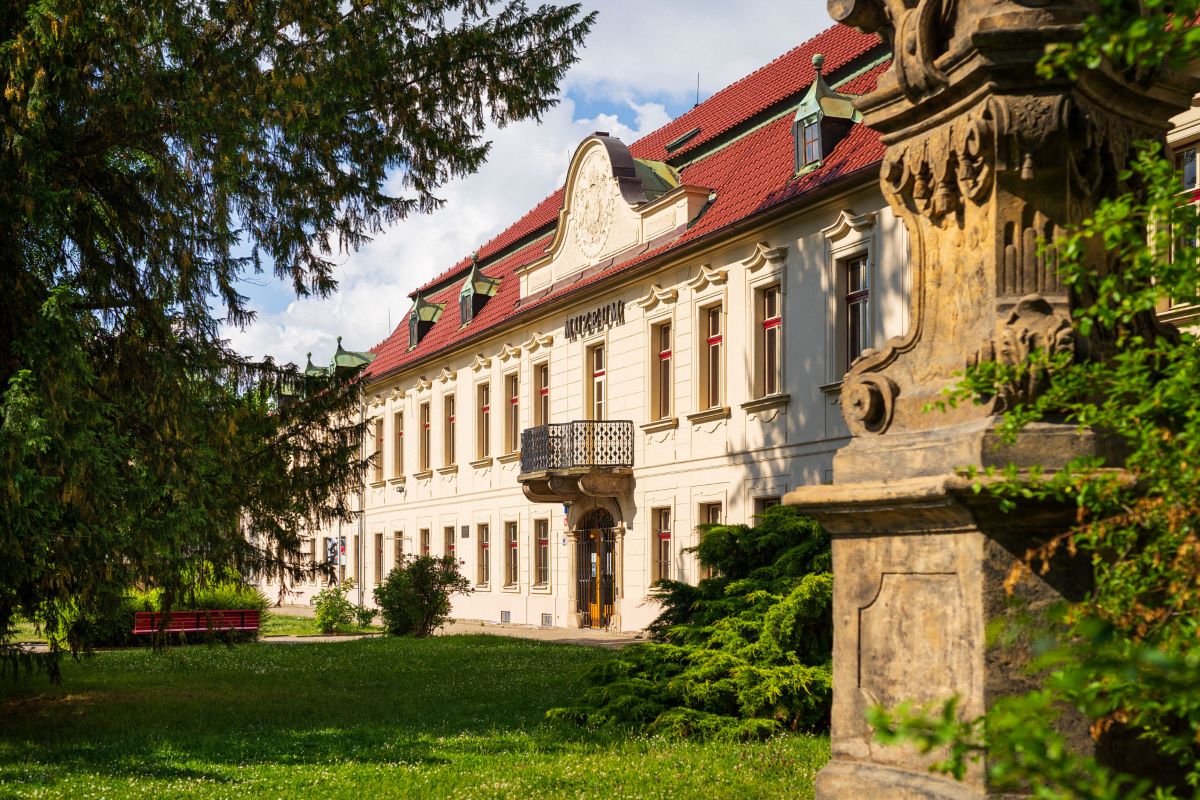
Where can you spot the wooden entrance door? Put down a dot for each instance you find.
(597, 570)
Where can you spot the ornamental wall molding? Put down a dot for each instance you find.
(708, 275)
(848, 222)
(765, 256)
(480, 362)
(447, 376)
(537, 341)
(422, 384)
(509, 353)
(656, 295)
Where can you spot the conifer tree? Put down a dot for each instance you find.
(152, 155)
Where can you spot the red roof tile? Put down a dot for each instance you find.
(750, 175)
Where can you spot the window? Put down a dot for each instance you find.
(769, 366)
(541, 400)
(1185, 164)
(596, 385)
(513, 554)
(761, 504)
(397, 444)
(378, 558)
(485, 564)
(397, 548)
(661, 382)
(448, 429)
(661, 517)
(812, 141)
(426, 437)
(449, 549)
(541, 567)
(858, 317)
(377, 457)
(710, 514)
(312, 556)
(710, 362)
(425, 541)
(483, 439)
(512, 413)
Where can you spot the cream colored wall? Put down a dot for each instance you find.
(730, 460)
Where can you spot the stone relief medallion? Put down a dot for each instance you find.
(592, 204)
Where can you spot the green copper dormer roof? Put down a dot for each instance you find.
(477, 283)
(657, 177)
(823, 100)
(475, 291)
(349, 359)
(313, 371)
(421, 319)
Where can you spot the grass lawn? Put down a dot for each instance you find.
(455, 717)
(286, 625)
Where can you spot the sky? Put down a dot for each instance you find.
(637, 71)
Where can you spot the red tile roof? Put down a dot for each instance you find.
(750, 175)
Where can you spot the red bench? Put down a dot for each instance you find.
(149, 622)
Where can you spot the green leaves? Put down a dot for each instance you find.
(743, 655)
(152, 155)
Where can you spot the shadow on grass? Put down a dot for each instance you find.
(198, 712)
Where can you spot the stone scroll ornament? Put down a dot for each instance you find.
(986, 162)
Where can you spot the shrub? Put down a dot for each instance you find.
(742, 655)
(334, 611)
(414, 599)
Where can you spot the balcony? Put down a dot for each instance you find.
(563, 462)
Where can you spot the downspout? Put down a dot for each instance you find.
(362, 505)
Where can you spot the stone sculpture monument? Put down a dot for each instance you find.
(984, 159)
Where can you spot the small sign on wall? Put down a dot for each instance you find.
(465, 532)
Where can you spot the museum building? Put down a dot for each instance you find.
(656, 345)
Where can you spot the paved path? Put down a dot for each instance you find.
(458, 627)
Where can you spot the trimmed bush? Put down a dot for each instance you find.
(742, 655)
(334, 611)
(414, 599)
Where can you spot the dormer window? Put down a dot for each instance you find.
(475, 292)
(421, 320)
(811, 143)
(823, 119)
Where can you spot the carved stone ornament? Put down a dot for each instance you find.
(537, 341)
(397, 394)
(708, 275)
(422, 384)
(656, 295)
(447, 375)
(765, 256)
(480, 362)
(509, 353)
(593, 204)
(986, 162)
(1032, 327)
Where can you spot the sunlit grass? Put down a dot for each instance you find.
(458, 716)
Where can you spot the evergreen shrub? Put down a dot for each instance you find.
(744, 654)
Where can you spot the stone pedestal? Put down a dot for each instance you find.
(921, 565)
(986, 159)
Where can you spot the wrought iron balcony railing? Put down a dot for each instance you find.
(583, 443)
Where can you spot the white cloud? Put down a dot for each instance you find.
(638, 56)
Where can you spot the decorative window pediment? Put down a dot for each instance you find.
(764, 256)
(656, 295)
(708, 276)
(537, 340)
(480, 363)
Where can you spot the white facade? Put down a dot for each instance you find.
(645, 345)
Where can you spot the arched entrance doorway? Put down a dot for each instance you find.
(596, 539)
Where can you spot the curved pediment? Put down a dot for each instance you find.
(612, 204)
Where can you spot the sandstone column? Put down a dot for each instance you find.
(984, 158)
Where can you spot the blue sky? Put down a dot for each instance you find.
(637, 72)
